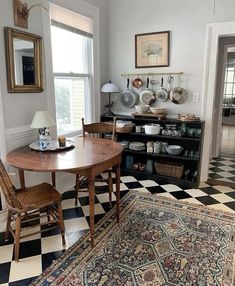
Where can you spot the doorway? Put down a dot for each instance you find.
(227, 143)
(222, 163)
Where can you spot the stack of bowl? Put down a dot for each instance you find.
(159, 111)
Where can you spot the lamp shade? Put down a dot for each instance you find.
(42, 119)
(109, 88)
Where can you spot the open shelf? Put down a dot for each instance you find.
(192, 164)
(159, 155)
(161, 136)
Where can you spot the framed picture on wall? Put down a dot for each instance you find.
(152, 49)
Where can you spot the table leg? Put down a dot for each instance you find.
(117, 172)
(21, 177)
(91, 189)
(53, 179)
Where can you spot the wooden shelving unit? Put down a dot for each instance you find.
(192, 164)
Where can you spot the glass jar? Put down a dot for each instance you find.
(157, 147)
(164, 146)
(149, 147)
(183, 129)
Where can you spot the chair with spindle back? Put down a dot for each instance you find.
(105, 130)
(27, 205)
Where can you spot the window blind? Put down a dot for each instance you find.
(71, 21)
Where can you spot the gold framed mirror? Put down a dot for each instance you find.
(24, 61)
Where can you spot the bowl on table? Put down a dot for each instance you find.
(142, 108)
(174, 150)
(158, 110)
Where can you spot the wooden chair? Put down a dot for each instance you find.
(27, 205)
(103, 130)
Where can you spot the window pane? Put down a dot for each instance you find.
(229, 88)
(69, 94)
(230, 76)
(68, 51)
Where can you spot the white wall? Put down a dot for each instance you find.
(18, 109)
(186, 20)
(104, 47)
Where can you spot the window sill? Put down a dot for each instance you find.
(71, 134)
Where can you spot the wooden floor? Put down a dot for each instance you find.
(227, 147)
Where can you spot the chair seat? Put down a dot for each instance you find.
(38, 196)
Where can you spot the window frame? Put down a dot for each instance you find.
(92, 12)
(88, 49)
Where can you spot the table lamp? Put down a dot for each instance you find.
(109, 88)
(41, 121)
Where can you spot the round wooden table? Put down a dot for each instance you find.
(90, 157)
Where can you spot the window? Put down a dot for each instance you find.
(71, 37)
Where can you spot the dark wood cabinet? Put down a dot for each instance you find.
(190, 139)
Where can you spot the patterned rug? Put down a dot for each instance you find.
(159, 241)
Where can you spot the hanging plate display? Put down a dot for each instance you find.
(178, 95)
(148, 95)
(128, 97)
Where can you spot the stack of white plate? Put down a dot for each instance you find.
(137, 146)
(124, 144)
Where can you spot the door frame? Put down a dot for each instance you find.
(214, 31)
(224, 44)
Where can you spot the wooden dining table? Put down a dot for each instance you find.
(89, 157)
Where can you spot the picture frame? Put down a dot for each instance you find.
(152, 49)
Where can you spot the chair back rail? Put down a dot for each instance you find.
(8, 189)
(99, 129)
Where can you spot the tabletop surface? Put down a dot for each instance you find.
(87, 153)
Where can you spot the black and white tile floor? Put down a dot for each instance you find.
(38, 252)
(223, 169)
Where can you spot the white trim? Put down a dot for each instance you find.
(214, 31)
(2, 130)
(20, 132)
(49, 85)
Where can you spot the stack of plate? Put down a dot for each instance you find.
(137, 146)
(124, 144)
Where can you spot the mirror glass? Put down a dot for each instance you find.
(24, 61)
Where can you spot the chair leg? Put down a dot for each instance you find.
(110, 186)
(48, 215)
(76, 189)
(17, 237)
(61, 223)
(8, 226)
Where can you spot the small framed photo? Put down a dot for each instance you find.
(152, 50)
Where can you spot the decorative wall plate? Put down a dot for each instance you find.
(147, 98)
(129, 99)
(178, 95)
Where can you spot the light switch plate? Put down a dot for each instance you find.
(196, 96)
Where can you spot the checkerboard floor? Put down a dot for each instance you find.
(39, 251)
(223, 169)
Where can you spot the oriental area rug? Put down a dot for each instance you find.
(159, 241)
